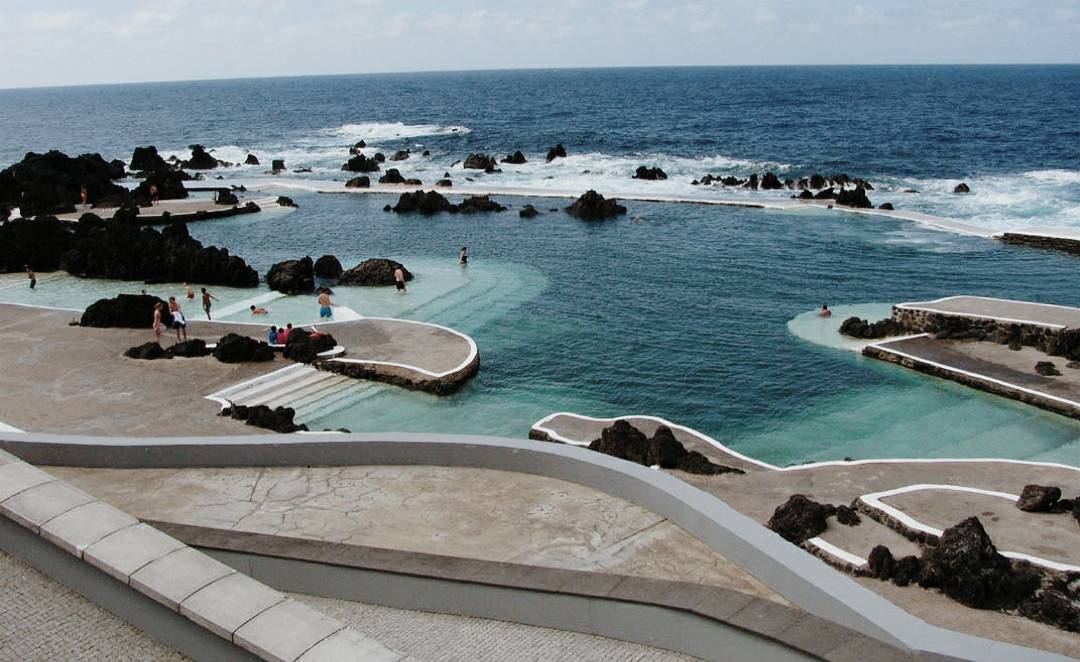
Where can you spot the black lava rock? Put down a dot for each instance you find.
(363, 181)
(304, 347)
(262, 416)
(592, 206)
(328, 267)
(961, 188)
(517, 158)
(799, 519)
(392, 176)
(528, 211)
(1038, 498)
(558, 151)
(127, 311)
(361, 163)
(480, 162)
(200, 159)
(853, 327)
(189, 348)
(292, 276)
(147, 159)
(649, 173)
(51, 183)
(234, 348)
(373, 272)
(147, 351)
(854, 197)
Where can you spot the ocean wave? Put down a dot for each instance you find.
(382, 131)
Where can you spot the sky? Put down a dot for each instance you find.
(63, 42)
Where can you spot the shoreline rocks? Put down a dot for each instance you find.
(556, 152)
(328, 267)
(517, 158)
(854, 327)
(262, 416)
(651, 174)
(362, 181)
(431, 202)
(373, 272)
(200, 159)
(624, 441)
(292, 276)
(124, 311)
(593, 207)
(361, 163)
(483, 162)
(51, 183)
(528, 211)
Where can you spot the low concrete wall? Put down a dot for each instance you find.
(165, 625)
(921, 320)
(801, 578)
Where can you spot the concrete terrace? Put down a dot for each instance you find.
(764, 487)
(187, 209)
(1003, 310)
(69, 379)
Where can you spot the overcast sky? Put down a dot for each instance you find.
(61, 42)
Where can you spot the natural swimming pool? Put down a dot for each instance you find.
(683, 315)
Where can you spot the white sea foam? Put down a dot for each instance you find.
(384, 131)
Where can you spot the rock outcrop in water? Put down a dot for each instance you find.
(147, 159)
(528, 211)
(479, 204)
(361, 163)
(854, 327)
(770, 182)
(51, 183)
(556, 152)
(430, 202)
(328, 267)
(854, 197)
(483, 162)
(251, 159)
(169, 183)
(277, 165)
(651, 174)
(292, 276)
(95, 248)
(363, 181)
(961, 188)
(373, 272)
(200, 159)
(125, 311)
(517, 158)
(593, 207)
(401, 155)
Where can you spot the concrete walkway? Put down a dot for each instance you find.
(471, 513)
(186, 208)
(1001, 309)
(764, 487)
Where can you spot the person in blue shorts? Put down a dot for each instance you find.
(326, 307)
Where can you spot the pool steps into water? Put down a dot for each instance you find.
(310, 392)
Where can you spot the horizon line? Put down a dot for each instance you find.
(536, 69)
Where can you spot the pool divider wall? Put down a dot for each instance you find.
(802, 578)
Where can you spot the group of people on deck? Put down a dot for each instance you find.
(179, 320)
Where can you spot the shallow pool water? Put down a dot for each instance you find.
(701, 315)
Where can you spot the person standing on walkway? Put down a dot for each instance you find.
(206, 302)
(84, 195)
(31, 275)
(157, 322)
(399, 280)
(179, 322)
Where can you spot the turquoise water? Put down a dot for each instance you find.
(625, 317)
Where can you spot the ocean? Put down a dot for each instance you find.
(684, 314)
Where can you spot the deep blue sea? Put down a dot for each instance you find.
(685, 313)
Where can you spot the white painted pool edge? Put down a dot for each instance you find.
(540, 425)
(874, 500)
(833, 550)
(882, 346)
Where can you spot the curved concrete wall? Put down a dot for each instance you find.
(803, 579)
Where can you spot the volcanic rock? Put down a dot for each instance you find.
(400, 155)
(479, 162)
(731, 181)
(200, 159)
(127, 311)
(373, 272)
(285, 201)
(189, 348)
(907, 570)
(817, 181)
(392, 176)
(262, 416)
(277, 165)
(224, 197)
(961, 188)
(752, 183)
(806, 195)
(1057, 604)
(1038, 498)
(147, 351)
(770, 182)
(799, 519)
(517, 158)
(169, 183)
(847, 516)
(292, 276)
(967, 567)
(592, 206)
(881, 563)
(528, 211)
(251, 160)
(363, 181)
(558, 151)
(234, 348)
(445, 183)
(51, 183)
(147, 159)
(361, 163)
(853, 327)
(421, 202)
(478, 204)
(886, 205)
(328, 267)
(854, 197)
(649, 173)
(1047, 369)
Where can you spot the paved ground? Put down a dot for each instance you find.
(41, 620)
(426, 636)
(1001, 309)
(174, 207)
(65, 379)
(472, 513)
(995, 361)
(757, 493)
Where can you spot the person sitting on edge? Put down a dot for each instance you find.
(326, 306)
(258, 310)
(283, 334)
(824, 312)
(271, 336)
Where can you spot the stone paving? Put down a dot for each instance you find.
(427, 636)
(41, 620)
(472, 513)
(1001, 309)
